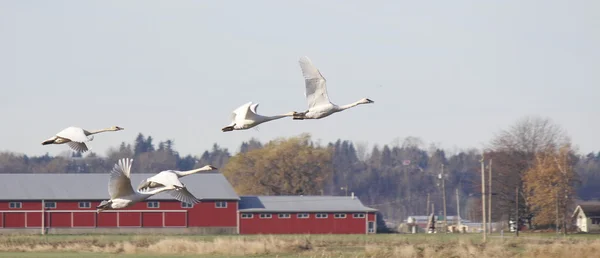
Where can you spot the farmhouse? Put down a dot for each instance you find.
(587, 217)
(66, 203)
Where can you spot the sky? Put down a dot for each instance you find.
(453, 73)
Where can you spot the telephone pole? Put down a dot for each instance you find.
(490, 201)
(427, 212)
(444, 199)
(483, 197)
(458, 209)
(517, 210)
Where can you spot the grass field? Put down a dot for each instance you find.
(382, 245)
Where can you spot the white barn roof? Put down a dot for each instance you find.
(302, 204)
(206, 185)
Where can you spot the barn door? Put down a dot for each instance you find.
(371, 227)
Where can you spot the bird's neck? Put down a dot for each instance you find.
(101, 130)
(344, 107)
(189, 172)
(269, 118)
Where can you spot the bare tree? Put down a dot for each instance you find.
(530, 135)
(515, 150)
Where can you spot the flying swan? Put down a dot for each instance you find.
(170, 178)
(319, 105)
(120, 190)
(245, 117)
(76, 137)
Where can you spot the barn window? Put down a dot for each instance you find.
(84, 205)
(302, 215)
(50, 205)
(595, 221)
(265, 215)
(152, 205)
(321, 215)
(186, 205)
(221, 204)
(247, 215)
(358, 215)
(284, 215)
(340, 215)
(14, 205)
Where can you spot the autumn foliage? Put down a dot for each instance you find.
(290, 166)
(550, 185)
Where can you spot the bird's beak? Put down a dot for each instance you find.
(99, 210)
(213, 167)
(370, 101)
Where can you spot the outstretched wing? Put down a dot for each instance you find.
(78, 146)
(253, 108)
(120, 182)
(183, 195)
(315, 83)
(74, 134)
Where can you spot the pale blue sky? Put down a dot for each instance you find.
(450, 72)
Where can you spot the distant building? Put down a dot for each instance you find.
(66, 203)
(587, 217)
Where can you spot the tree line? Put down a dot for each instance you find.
(532, 161)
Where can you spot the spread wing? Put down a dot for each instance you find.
(242, 113)
(78, 146)
(120, 182)
(315, 83)
(183, 195)
(72, 133)
(253, 108)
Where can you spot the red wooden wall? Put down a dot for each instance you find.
(295, 225)
(204, 214)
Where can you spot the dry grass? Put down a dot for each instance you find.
(309, 246)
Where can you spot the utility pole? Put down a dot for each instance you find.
(557, 231)
(427, 212)
(517, 210)
(490, 201)
(345, 188)
(444, 199)
(483, 197)
(458, 209)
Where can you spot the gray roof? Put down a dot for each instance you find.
(206, 185)
(302, 204)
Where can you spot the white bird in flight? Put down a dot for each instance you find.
(245, 117)
(170, 178)
(120, 190)
(319, 105)
(76, 137)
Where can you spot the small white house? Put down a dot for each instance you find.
(587, 217)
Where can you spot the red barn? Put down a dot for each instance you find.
(305, 215)
(66, 203)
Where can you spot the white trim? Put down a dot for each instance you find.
(50, 211)
(249, 216)
(289, 216)
(149, 202)
(217, 204)
(184, 204)
(237, 220)
(317, 215)
(89, 204)
(359, 215)
(46, 205)
(265, 216)
(304, 213)
(339, 215)
(20, 205)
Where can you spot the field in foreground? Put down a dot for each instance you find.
(383, 245)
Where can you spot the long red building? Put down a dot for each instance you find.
(66, 203)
